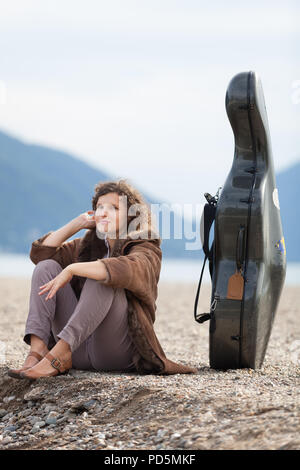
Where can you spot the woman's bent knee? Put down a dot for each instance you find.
(48, 264)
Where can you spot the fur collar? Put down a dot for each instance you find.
(92, 247)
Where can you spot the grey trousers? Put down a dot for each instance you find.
(95, 326)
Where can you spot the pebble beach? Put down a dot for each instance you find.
(235, 409)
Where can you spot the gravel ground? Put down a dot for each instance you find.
(236, 409)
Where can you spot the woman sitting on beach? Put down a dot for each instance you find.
(92, 299)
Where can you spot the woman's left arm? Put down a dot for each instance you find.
(91, 269)
(137, 271)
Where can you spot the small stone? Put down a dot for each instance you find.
(34, 394)
(34, 419)
(8, 399)
(52, 417)
(176, 435)
(208, 417)
(51, 420)
(40, 424)
(101, 443)
(50, 409)
(161, 432)
(7, 416)
(184, 443)
(89, 404)
(11, 428)
(3, 412)
(62, 419)
(35, 429)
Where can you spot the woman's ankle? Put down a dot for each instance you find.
(38, 345)
(62, 349)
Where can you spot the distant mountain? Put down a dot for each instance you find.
(41, 189)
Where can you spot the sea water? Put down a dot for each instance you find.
(172, 270)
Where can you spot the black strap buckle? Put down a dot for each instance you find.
(203, 317)
(56, 366)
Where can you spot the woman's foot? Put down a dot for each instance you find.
(45, 368)
(37, 351)
(37, 346)
(32, 358)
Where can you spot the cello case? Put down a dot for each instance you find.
(249, 256)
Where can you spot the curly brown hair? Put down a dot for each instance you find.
(144, 216)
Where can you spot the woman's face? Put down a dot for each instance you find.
(111, 214)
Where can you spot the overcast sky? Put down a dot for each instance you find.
(137, 88)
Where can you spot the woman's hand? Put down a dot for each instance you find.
(56, 283)
(86, 220)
